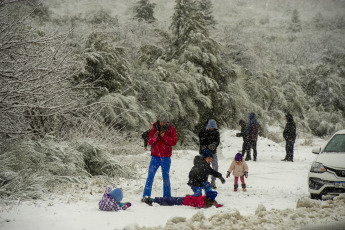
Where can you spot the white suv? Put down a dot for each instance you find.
(327, 172)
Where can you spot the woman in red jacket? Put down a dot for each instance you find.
(162, 137)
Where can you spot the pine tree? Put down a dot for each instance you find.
(206, 7)
(144, 11)
(106, 67)
(319, 21)
(192, 44)
(295, 24)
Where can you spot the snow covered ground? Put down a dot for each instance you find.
(276, 198)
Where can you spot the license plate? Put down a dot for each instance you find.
(340, 184)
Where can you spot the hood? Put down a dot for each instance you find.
(332, 160)
(211, 124)
(251, 116)
(198, 160)
(289, 117)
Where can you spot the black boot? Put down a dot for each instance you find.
(244, 187)
(147, 200)
(235, 187)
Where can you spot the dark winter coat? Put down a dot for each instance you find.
(243, 132)
(145, 137)
(289, 133)
(209, 139)
(162, 146)
(199, 173)
(252, 129)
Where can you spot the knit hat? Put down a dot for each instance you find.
(163, 117)
(238, 157)
(116, 194)
(211, 194)
(207, 153)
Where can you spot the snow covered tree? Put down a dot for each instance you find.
(36, 96)
(143, 11)
(106, 67)
(295, 24)
(108, 71)
(319, 21)
(192, 43)
(206, 7)
(102, 16)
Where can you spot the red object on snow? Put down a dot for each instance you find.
(194, 201)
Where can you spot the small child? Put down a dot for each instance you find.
(240, 169)
(111, 200)
(199, 173)
(194, 201)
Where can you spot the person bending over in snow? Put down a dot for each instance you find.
(111, 200)
(240, 169)
(199, 173)
(194, 201)
(246, 144)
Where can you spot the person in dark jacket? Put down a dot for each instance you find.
(145, 137)
(245, 145)
(199, 173)
(209, 139)
(289, 135)
(252, 131)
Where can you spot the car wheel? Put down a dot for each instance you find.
(315, 196)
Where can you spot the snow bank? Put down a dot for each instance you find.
(307, 211)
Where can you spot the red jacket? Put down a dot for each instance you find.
(162, 146)
(197, 201)
(194, 201)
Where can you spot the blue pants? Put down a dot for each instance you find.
(164, 163)
(289, 149)
(198, 190)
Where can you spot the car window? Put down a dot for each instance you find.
(336, 144)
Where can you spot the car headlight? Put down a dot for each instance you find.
(317, 168)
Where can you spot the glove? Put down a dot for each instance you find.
(227, 174)
(222, 180)
(155, 136)
(212, 147)
(246, 174)
(219, 205)
(128, 204)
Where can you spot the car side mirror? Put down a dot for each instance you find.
(316, 150)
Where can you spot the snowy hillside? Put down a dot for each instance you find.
(276, 197)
